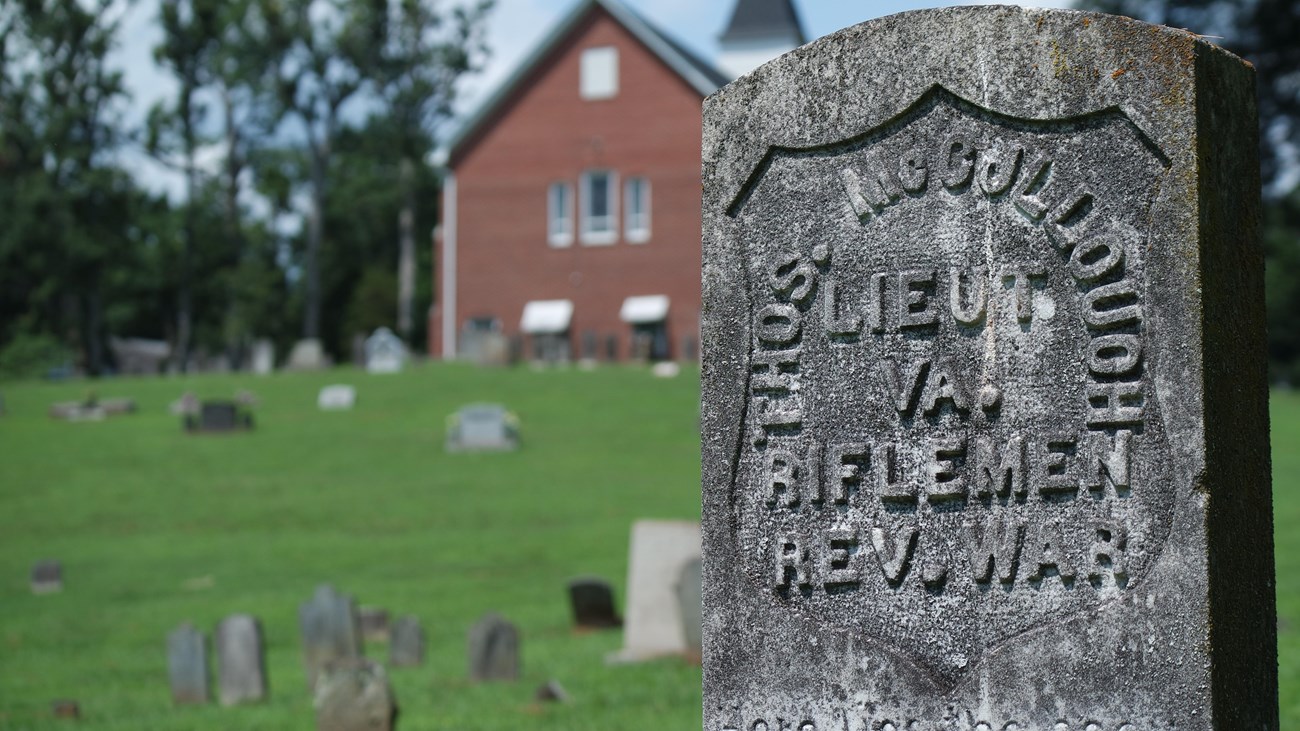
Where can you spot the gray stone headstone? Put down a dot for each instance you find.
(306, 355)
(985, 428)
(337, 397)
(688, 605)
(385, 352)
(482, 428)
(241, 660)
(374, 624)
(47, 577)
(187, 665)
(219, 416)
(262, 361)
(406, 644)
(493, 650)
(659, 550)
(592, 600)
(330, 631)
(355, 695)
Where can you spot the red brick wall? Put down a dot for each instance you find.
(547, 133)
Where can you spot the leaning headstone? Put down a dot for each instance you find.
(385, 352)
(658, 552)
(241, 660)
(187, 665)
(984, 406)
(592, 600)
(339, 397)
(47, 577)
(330, 631)
(406, 643)
(688, 606)
(482, 428)
(374, 624)
(263, 357)
(306, 355)
(355, 695)
(493, 650)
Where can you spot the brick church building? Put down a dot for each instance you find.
(571, 209)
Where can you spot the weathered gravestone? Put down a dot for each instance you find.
(262, 359)
(219, 417)
(374, 624)
(338, 397)
(985, 425)
(592, 600)
(658, 552)
(482, 428)
(688, 605)
(406, 643)
(330, 631)
(241, 660)
(307, 355)
(385, 352)
(47, 577)
(187, 665)
(493, 649)
(355, 695)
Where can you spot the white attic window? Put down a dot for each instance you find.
(599, 73)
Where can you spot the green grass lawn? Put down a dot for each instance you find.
(366, 500)
(136, 510)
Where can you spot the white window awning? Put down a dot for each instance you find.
(544, 317)
(644, 309)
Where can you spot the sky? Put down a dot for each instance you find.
(514, 28)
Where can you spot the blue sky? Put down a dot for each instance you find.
(514, 28)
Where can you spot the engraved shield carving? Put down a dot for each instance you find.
(950, 434)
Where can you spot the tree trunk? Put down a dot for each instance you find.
(184, 297)
(406, 255)
(315, 232)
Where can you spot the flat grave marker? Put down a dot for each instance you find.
(985, 425)
(482, 428)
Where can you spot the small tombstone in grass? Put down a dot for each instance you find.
(330, 631)
(406, 643)
(338, 397)
(219, 417)
(689, 588)
(187, 666)
(551, 692)
(659, 551)
(65, 708)
(262, 360)
(385, 352)
(493, 650)
(306, 355)
(241, 660)
(355, 695)
(186, 405)
(47, 577)
(592, 600)
(374, 624)
(482, 428)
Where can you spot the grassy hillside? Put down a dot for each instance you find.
(137, 511)
(155, 527)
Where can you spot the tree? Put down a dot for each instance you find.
(315, 56)
(67, 209)
(423, 57)
(190, 37)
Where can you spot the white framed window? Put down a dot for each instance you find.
(636, 210)
(599, 208)
(559, 214)
(598, 73)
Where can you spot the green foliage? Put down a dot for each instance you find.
(31, 356)
(374, 302)
(155, 527)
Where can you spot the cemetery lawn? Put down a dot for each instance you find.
(155, 527)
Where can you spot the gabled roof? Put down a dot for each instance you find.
(696, 72)
(764, 19)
